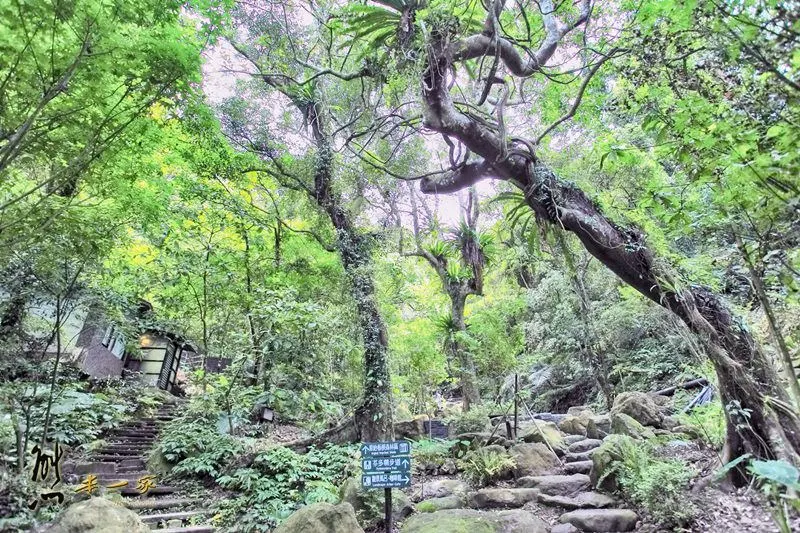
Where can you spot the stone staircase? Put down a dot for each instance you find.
(561, 492)
(123, 461)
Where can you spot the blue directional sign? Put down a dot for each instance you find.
(383, 449)
(386, 464)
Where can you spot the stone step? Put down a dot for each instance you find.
(501, 498)
(601, 520)
(584, 445)
(127, 454)
(182, 515)
(132, 462)
(583, 500)
(578, 467)
(120, 476)
(188, 529)
(575, 457)
(131, 491)
(115, 458)
(556, 485)
(159, 503)
(572, 439)
(110, 449)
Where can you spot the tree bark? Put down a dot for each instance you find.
(470, 395)
(759, 415)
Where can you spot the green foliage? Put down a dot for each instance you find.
(279, 480)
(780, 481)
(486, 466)
(656, 485)
(430, 454)
(709, 421)
(475, 420)
(196, 448)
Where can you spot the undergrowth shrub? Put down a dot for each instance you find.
(486, 466)
(476, 420)
(655, 485)
(196, 448)
(709, 421)
(279, 480)
(430, 454)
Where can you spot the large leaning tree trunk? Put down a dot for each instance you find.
(373, 418)
(760, 419)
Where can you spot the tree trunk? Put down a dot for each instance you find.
(466, 364)
(759, 415)
(373, 418)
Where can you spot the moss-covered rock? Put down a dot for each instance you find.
(533, 459)
(369, 504)
(97, 515)
(322, 518)
(602, 474)
(471, 521)
(545, 432)
(625, 425)
(639, 406)
(432, 505)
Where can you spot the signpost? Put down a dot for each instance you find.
(386, 465)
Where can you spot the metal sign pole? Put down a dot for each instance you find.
(388, 509)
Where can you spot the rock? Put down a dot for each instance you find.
(449, 467)
(578, 467)
(603, 459)
(578, 457)
(175, 522)
(574, 425)
(603, 426)
(501, 498)
(440, 504)
(471, 521)
(572, 439)
(545, 431)
(584, 445)
(690, 431)
(601, 520)
(473, 441)
(157, 463)
(97, 515)
(368, 504)
(565, 528)
(639, 406)
(556, 485)
(583, 500)
(411, 429)
(670, 423)
(322, 518)
(533, 459)
(441, 488)
(578, 409)
(626, 425)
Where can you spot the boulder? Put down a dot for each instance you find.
(441, 488)
(584, 445)
(580, 424)
(413, 429)
(368, 504)
(533, 459)
(601, 520)
(545, 432)
(556, 485)
(440, 504)
(690, 431)
(322, 518)
(639, 406)
(565, 528)
(626, 425)
(578, 457)
(670, 423)
(97, 515)
(603, 426)
(501, 498)
(473, 441)
(578, 409)
(601, 475)
(468, 520)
